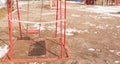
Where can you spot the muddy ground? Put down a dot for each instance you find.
(95, 38)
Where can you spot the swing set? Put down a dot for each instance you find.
(60, 22)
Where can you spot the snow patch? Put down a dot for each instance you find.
(49, 13)
(83, 31)
(117, 26)
(112, 50)
(72, 2)
(105, 17)
(69, 31)
(14, 31)
(72, 31)
(117, 62)
(2, 3)
(91, 49)
(95, 32)
(51, 27)
(75, 15)
(118, 53)
(100, 27)
(103, 26)
(3, 50)
(88, 24)
(107, 26)
(105, 10)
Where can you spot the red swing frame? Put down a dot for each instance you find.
(59, 10)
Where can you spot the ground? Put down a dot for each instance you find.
(92, 38)
(3, 12)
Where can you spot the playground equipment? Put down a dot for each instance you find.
(60, 20)
(117, 2)
(101, 2)
(53, 3)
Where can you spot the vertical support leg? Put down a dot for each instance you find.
(9, 2)
(61, 41)
(65, 23)
(56, 18)
(20, 28)
(84, 2)
(115, 2)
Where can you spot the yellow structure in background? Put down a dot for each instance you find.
(63, 0)
(53, 3)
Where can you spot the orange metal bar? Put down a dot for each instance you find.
(9, 2)
(18, 12)
(117, 2)
(61, 41)
(65, 23)
(56, 18)
(36, 60)
(67, 52)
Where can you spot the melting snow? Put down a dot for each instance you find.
(99, 26)
(75, 15)
(89, 24)
(105, 10)
(72, 2)
(95, 32)
(71, 31)
(51, 27)
(91, 49)
(117, 62)
(118, 53)
(103, 27)
(117, 26)
(3, 50)
(49, 13)
(112, 50)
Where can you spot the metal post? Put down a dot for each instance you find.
(20, 28)
(56, 18)
(9, 3)
(65, 23)
(61, 41)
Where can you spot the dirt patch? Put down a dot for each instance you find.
(3, 12)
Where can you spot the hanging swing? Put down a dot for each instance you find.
(33, 31)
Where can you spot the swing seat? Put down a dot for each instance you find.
(35, 31)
